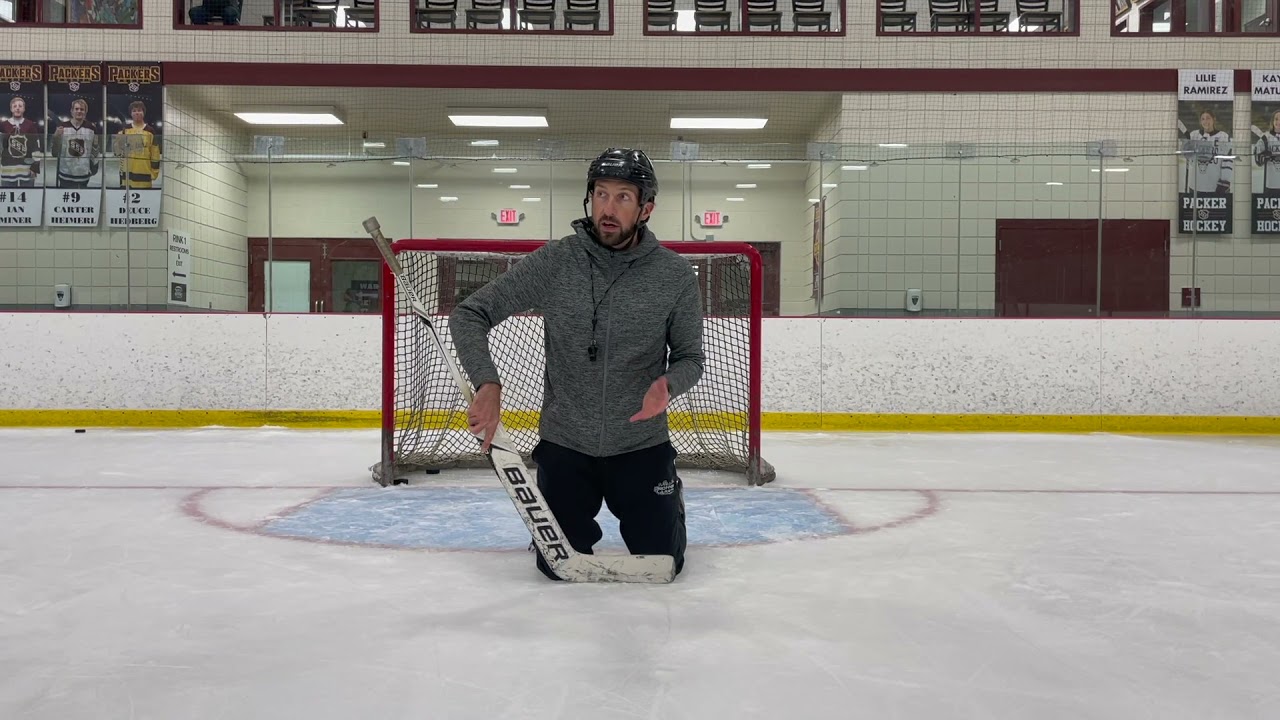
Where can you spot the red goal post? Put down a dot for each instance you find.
(715, 425)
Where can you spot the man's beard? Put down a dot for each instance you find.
(619, 239)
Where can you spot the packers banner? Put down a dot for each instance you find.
(1207, 157)
(1264, 126)
(135, 127)
(22, 125)
(73, 175)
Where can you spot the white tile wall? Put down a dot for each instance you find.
(916, 217)
(204, 195)
(207, 196)
(925, 212)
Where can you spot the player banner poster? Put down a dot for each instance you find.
(179, 267)
(1265, 127)
(73, 174)
(1207, 157)
(21, 143)
(135, 128)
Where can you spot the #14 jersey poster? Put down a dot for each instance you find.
(21, 144)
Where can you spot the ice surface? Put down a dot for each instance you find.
(204, 574)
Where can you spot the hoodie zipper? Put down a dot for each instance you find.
(604, 381)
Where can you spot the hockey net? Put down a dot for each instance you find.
(715, 425)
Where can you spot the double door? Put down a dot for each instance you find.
(315, 275)
(1053, 268)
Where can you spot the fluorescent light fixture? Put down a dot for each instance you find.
(759, 166)
(507, 171)
(1224, 157)
(1110, 170)
(519, 187)
(428, 185)
(717, 123)
(288, 116)
(1053, 182)
(814, 200)
(374, 144)
(853, 167)
(402, 163)
(531, 199)
(448, 198)
(893, 145)
(745, 186)
(484, 143)
(828, 186)
(498, 117)
(735, 199)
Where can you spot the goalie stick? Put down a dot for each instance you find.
(564, 561)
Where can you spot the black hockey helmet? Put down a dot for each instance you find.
(628, 165)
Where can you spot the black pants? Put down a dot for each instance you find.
(641, 489)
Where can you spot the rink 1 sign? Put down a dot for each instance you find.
(1206, 152)
(133, 208)
(179, 279)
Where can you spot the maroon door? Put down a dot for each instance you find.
(1049, 268)
(345, 273)
(1135, 268)
(1046, 268)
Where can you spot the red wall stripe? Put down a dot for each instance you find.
(1120, 80)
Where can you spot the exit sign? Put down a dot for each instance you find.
(508, 216)
(712, 218)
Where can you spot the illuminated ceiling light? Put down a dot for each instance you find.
(288, 116)
(717, 123)
(498, 117)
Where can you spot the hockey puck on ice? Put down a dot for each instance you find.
(79, 430)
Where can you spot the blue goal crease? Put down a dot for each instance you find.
(485, 519)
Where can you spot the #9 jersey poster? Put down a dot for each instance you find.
(73, 176)
(21, 143)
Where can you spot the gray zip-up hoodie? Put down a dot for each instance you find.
(643, 299)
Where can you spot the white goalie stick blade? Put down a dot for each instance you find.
(564, 561)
